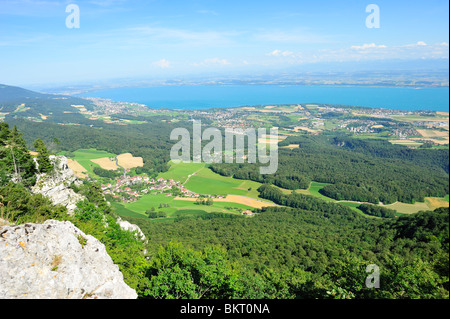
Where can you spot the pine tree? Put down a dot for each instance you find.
(16, 162)
(43, 156)
(4, 136)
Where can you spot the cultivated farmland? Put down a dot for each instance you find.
(108, 163)
(128, 161)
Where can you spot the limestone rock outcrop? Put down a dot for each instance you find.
(56, 260)
(125, 225)
(56, 184)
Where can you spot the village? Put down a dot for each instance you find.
(130, 188)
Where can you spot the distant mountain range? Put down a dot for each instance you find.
(16, 102)
(393, 78)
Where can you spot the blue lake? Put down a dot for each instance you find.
(203, 97)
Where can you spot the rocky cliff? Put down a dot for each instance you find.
(125, 225)
(55, 260)
(56, 184)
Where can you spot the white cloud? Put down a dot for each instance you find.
(275, 53)
(364, 52)
(217, 61)
(280, 53)
(163, 64)
(368, 46)
(372, 51)
(213, 61)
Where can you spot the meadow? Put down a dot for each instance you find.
(198, 178)
(430, 203)
(205, 181)
(174, 208)
(181, 171)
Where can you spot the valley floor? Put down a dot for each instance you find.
(228, 195)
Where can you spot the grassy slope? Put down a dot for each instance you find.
(180, 172)
(175, 206)
(206, 181)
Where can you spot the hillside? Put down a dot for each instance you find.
(16, 102)
(11, 94)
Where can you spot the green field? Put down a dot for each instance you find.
(171, 214)
(181, 171)
(122, 211)
(84, 157)
(175, 207)
(206, 181)
(314, 189)
(354, 206)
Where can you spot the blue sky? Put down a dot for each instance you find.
(169, 38)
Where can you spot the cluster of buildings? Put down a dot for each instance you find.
(108, 107)
(130, 188)
(431, 124)
(360, 129)
(121, 189)
(403, 133)
(228, 118)
(161, 185)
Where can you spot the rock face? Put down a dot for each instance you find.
(56, 260)
(125, 225)
(56, 185)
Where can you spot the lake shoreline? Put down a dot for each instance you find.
(184, 97)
